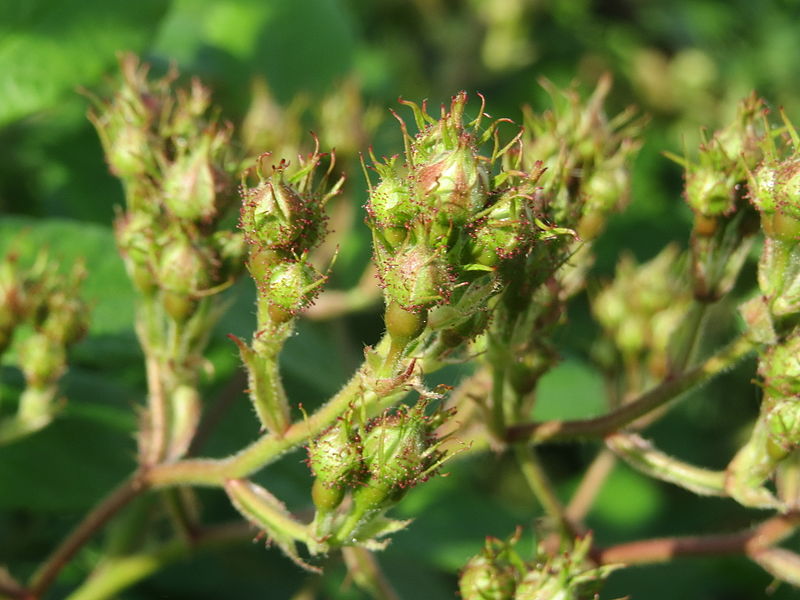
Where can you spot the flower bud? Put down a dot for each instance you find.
(780, 368)
(41, 359)
(399, 452)
(66, 320)
(566, 576)
(775, 192)
(416, 277)
(190, 183)
(185, 270)
(284, 211)
(231, 248)
(134, 233)
(335, 459)
(483, 579)
(783, 429)
(292, 287)
(454, 185)
(391, 204)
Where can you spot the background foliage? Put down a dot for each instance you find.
(685, 63)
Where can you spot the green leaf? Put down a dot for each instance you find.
(300, 45)
(627, 500)
(48, 47)
(572, 390)
(67, 466)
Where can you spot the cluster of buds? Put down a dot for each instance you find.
(49, 302)
(640, 313)
(498, 572)
(774, 190)
(447, 227)
(586, 156)
(283, 220)
(377, 462)
(583, 159)
(714, 189)
(173, 158)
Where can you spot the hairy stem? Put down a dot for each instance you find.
(267, 449)
(642, 456)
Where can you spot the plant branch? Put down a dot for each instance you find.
(542, 488)
(749, 541)
(590, 485)
(99, 516)
(642, 456)
(556, 431)
(121, 573)
(267, 449)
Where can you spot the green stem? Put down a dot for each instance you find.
(553, 431)
(269, 448)
(642, 456)
(542, 488)
(35, 412)
(121, 573)
(366, 572)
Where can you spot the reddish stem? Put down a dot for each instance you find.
(658, 550)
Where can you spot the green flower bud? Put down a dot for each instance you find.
(399, 452)
(390, 203)
(191, 185)
(231, 248)
(780, 368)
(566, 576)
(185, 270)
(415, 277)
(66, 320)
(135, 233)
(292, 287)
(783, 429)
(775, 189)
(483, 579)
(41, 359)
(454, 185)
(285, 211)
(335, 459)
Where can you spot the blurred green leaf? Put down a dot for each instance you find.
(572, 390)
(303, 45)
(627, 500)
(48, 47)
(67, 466)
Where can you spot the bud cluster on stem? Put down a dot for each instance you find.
(48, 303)
(499, 572)
(283, 219)
(174, 159)
(377, 461)
(774, 190)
